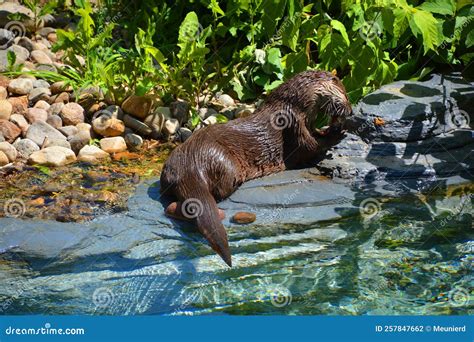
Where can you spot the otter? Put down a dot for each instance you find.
(279, 135)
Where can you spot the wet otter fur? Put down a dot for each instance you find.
(280, 135)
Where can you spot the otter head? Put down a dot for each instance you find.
(329, 104)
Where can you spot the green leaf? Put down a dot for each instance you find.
(214, 6)
(447, 7)
(221, 118)
(290, 32)
(272, 11)
(273, 61)
(470, 39)
(332, 50)
(11, 58)
(424, 23)
(337, 25)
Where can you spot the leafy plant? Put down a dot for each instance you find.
(40, 10)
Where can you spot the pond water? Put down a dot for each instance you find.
(312, 251)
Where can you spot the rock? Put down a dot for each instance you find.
(113, 145)
(59, 87)
(136, 125)
(61, 98)
(156, 121)
(39, 130)
(26, 43)
(20, 52)
(84, 127)
(72, 114)
(79, 140)
(20, 86)
(42, 105)
(112, 111)
(25, 148)
(19, 104)
(3, 159)
(46, 67)
(38, 94)
(6, 38)
(92, 154)
(225, 100)
(184, 133)
(244, 110)
(171, 127)
(20, 121)
(211, 120)
(40, 57)
(180, 111)
(56, 142)
(55, 108)
(36, 114)
(133, 141)
(9, 150)
(96, 109)
(243, 217)
(108, 126)
(53, 37)
(5, 110)
(9, 130)
(52, 156)
(55, 121)
(68, 130)
(204, 113)
(7, 9)
(138, 106)
(228, 112)
(3, 93)
(45, 31)
(41, 84)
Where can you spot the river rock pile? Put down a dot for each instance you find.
(50, 124)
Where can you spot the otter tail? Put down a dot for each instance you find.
(201, 206)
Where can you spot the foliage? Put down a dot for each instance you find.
(246, 47)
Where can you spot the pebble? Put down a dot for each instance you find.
(39, 94)
(211, 120)
(25, 147)
(68, 130)
(19, 104)
(226, 100)
(171, 126)
(9, 130)
(52, 156)
(243, 217)
(79, 140)
(138, 106)
(55, 121)
(56, 142)
(36, 114)
(3, 159)
(61, 98)
(40, 84)
(39, 130)
(55, 108)
(72, 114)
(204, 113)
(42, 105)
(20, 86)
(180, 110)
(20, 121)
(40, 57)
(137, 125)
(59, 87)
(26, 43)
(133, 141)
(92, 154)
(108, 127)
(3, 93)
(184, 133)
(113, 145)
(155, 121)
(9, 150)
(6, 109)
